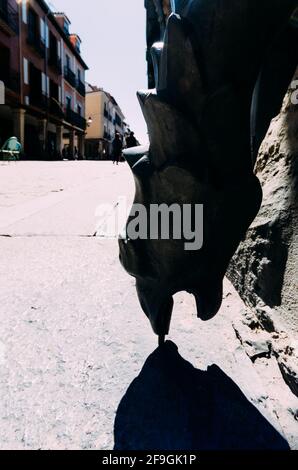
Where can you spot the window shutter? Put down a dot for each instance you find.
(43, 84)
(47, 36)
(59, 49)
(2, 93)
(26, 74)
(42, 31)
(24, 11)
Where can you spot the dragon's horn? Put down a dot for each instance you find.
(180, 81)
(156, 52)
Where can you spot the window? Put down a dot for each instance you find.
(79, 75)
(53, 53)
(66, 27)
(79, 110)
(32, 25)
(26, 74)
(54, 90)
(68, 103)
(4, 7)
(4, 62)
(67, 61)
(118, 120)
(37, 85)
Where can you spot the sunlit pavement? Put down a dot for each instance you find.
(72, 334)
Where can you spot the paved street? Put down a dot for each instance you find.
(73, 338)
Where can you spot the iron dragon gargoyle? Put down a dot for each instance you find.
(221, 69)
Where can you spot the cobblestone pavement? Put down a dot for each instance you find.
(73, 337)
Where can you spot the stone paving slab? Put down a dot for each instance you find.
(73, 340)
(40, 199)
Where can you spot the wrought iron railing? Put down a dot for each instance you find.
(55, 108)
(39, 100)
(55, 62)
(11, 80)
(70, 76)
(9, 16)
(75, 119)
(81, 88)
(35, 42)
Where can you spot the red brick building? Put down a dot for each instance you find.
(44, 75)
(9, 65)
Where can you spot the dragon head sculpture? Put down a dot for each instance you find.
(210, 106)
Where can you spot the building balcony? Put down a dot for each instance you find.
(107, 136)
(38, 100)
(51, 105)
(11, 80)
(55, 63)
(36, 44)
(75, 119)
(81, 88)
(55, 108)
(118, 121)
(9, 19)
(70, 76)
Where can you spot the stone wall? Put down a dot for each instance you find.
(265, 268)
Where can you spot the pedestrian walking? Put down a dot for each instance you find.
(64, 153)
(131, 141)
(117, 148)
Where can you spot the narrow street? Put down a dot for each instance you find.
(73, 337)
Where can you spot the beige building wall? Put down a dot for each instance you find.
(103, 126)
(94, 110)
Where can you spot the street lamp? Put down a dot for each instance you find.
(89, 121)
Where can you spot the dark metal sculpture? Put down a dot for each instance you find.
(221, 69)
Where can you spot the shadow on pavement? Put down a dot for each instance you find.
(173, 406)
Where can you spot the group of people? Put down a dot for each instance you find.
(68, 155)
(118, 146)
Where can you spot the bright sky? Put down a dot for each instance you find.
(113, 34)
